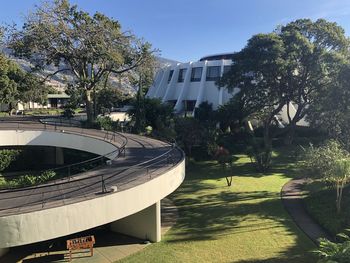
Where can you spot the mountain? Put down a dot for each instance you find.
(60, 80)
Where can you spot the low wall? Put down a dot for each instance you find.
(55, 222)
(57, 139)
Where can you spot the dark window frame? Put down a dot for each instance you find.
(171, 73)
(182, 74)
(209, 71)
(196, 79)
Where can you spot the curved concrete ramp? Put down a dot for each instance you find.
(133, 187)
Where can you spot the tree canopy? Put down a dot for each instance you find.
(292, 65)
(17, 85)
(89, 47)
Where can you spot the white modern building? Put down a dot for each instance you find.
(187, 85)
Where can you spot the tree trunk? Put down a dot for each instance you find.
(289, 138)
(89, 107)
(340, 188)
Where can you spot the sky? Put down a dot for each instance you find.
(186, 30)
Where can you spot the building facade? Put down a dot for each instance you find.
(187, 85)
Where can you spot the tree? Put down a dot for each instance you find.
(19, 86)
(90, 48)
(234, 113)
(331, 163)
(289, 66)
(205, 113)
(152, 113)
(331, 111)
(189, 133)
(225, 159)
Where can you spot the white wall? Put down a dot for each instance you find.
(57, 139)
(55, 222)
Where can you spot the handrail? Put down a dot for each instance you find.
(97, 180)
(120, 149)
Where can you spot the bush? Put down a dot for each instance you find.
(7, 157)
(27, 180)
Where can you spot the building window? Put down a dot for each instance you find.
(182, 73)
(213, 73)
(196, 74)
(227, 69)
(170, 75)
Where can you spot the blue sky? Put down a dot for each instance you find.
(186, 30)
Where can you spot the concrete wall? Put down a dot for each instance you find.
(60, 221)
(58, 139)
(144, 224)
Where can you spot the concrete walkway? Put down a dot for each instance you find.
(292, 197)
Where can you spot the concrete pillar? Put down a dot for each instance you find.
(202, 85)
(162, 84)
(144, 224)
(54, 155)
(182, 95)
(3, 251)
(59, 156)
(172, 84)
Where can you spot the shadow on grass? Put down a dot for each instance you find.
(210, 213)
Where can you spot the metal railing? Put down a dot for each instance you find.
(67, 171)
(77, 187)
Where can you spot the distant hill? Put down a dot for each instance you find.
(164, 61)
(59, 81)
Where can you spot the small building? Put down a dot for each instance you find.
(54, 101)
(57, 100)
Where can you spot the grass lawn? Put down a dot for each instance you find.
(320, 203)
(242, 223)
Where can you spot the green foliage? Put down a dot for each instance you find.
(69, 111)
(259, 155)
(17, 85)
(332, 163)
(205, 113)
(190, 133)
(320, 204)
(151, 112)
(322, 161)
(330, 112)
(331, 252)
(294, 64)
(105, 123)
(27, 180)
(7, 157)
(91, 47)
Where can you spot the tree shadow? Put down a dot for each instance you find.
(205, 214)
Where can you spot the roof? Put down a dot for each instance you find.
(218, 56)
(58, 96)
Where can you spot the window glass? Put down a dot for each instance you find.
(182, 73)
(170, 75)
(196, 74)
(213, 73)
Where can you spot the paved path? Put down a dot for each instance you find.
(292, 197)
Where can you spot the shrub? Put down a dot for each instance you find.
(331, 163)
(7, 157)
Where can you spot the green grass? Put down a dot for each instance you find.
(320, 203)
(242, 223)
